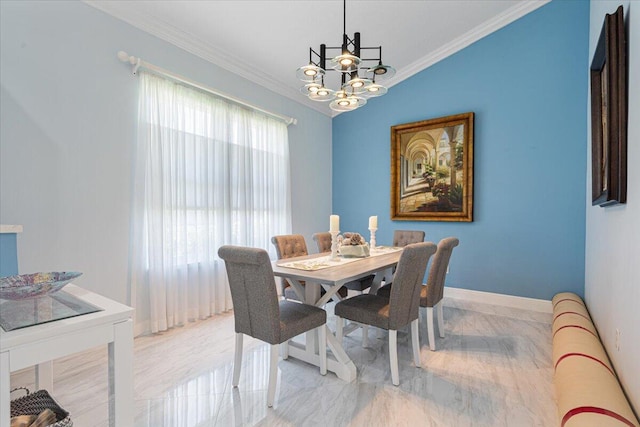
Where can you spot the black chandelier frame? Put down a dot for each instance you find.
(353, 89)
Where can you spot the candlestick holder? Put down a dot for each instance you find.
(334, 245)
(372, 242)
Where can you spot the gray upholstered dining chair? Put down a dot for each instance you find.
(397, 311)
(407, 237)
(431, 295)
(258, 313)
(403, 238)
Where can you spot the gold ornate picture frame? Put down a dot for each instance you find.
(432, 169)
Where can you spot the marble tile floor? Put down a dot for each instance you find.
(493, 368)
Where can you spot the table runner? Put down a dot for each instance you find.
(326, 262)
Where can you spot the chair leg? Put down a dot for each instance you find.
(365, 336)
(440, 319)
(393, 356)
(339, 325)
(322, 348)
(273, 375)
(237, 362)
(284, 350)
(415, 341)
(432, 338)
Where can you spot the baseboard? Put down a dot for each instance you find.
(142, 328)
(524, 303)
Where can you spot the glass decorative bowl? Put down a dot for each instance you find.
(34, 285)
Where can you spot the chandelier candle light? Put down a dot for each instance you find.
(354, 89)
(373, 227)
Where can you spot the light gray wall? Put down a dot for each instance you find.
(68, 126)
(612, 288)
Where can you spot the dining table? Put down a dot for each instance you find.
(331, 273)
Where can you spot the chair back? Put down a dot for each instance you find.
(323, 241)
(290, 245)
(253, 291)
(404, 300)
(407, 237)
(438, 270)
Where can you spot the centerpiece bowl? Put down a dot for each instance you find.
(353, 245)
(34, 285)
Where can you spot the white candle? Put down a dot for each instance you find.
(334, 223)
(373, 222)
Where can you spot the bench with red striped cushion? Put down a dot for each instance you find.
(587, 389)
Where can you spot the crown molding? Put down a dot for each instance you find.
(223, 59)
(494, 24)
(192, 44)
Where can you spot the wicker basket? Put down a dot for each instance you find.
(34, 403)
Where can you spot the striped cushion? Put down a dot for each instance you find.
(567, 306)
(562, 296)
(573, 321)
(582, 385)
(600, 417)
(568, 344)
(587, 389)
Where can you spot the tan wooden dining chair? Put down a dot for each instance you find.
(290, 246)
(258, 313)
(397, 311)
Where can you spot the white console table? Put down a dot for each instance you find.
(38, 345)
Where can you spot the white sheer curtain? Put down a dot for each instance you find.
(208, 173)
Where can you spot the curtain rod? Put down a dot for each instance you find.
(139, 63)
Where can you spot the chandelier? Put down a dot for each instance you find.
(354, 89)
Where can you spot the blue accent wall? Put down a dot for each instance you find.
(527, 85)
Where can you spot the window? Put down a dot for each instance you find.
(208, 173)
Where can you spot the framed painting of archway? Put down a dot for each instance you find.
(432, 169)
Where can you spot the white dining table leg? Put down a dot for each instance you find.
(312, 294)
(339, 328)
(343, 366)
(121, 375)
(5, 388)
(297, 288)
(44, 376)
(378, 278)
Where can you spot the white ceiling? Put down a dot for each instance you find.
(274, 36)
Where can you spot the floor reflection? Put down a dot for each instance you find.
(493, 368)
